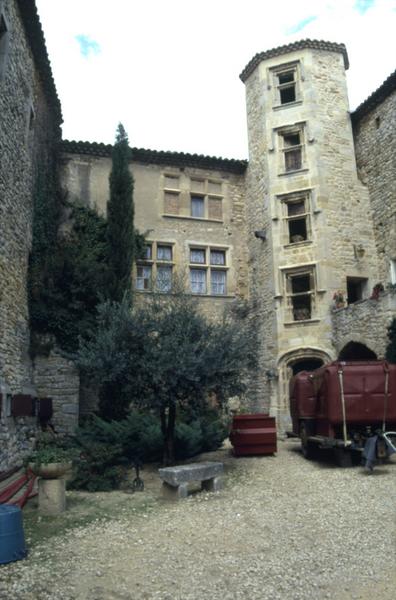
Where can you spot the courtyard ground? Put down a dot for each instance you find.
(282, 528)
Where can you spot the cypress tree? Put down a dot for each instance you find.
(120, 216)
(391, 348)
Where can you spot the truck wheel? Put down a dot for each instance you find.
(308, 449)
(343, 457)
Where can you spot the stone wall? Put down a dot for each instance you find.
(364, 322)
(58, 378)
(375, 146)
(86, 179)
(29, 132)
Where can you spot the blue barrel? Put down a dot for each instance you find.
(12, 538)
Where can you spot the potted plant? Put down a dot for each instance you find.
(52, 457)
(377, 289)
(339, 299)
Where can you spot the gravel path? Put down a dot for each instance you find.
(282, 528)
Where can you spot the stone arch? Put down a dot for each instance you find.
(356, 351)
(289, 364)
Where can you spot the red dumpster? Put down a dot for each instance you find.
(253, 434)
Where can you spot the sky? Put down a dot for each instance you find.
(169, 69)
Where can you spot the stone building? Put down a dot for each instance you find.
(309, 217)
(30, 119)
(291, 229)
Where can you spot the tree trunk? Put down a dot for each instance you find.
(168, 421)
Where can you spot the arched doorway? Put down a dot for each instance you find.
(356, 351)
(306, 364)
(291, 363)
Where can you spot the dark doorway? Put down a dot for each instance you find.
(356, 351)
(306, 364)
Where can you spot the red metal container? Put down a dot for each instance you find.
(253, 434)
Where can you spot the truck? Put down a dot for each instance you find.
(341, 405)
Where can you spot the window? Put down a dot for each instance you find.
(143, 277)
(197, 206)
(4, 40)
(164, 278)
(286, 80)
(300, 290)
(218, 282)
(217, 257)
(356, 287)
(156, 266)
(296, 214)
(193, 198)
(198, 281)
(197, 255)
(164, 252)
(292, 151)
(287, 86)
(148, 251)
(212, 274)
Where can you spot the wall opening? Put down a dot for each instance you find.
(356, 288)
(291, 363)
(356, 351)
(307, 364)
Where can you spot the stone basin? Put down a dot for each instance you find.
(51, 470)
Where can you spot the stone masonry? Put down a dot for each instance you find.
(375, 146)
(29, 135)
(307, 217)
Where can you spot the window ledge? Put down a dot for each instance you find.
(286, 173)
(302, 322)
(298, 244)
(287, 105)
(211, 295)
(188, 218)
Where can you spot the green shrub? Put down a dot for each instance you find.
(101, 467)
(108, 448)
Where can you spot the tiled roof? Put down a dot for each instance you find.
(300, 45)
(384, 90)
(178, 159)
(35, 36)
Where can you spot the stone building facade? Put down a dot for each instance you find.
(310, 216)
(30, 119)
(288, 231)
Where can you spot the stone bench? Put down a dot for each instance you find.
(176, 479)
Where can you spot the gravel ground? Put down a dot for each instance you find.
(282, 528)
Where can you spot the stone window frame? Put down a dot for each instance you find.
(201, 188)
(209, 266)
(294, 301)
(4, 41)
(286, 149)
(296, 69)
(154, 265)
(293, 198)
(179, 197)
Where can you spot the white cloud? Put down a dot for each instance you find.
(169, 70)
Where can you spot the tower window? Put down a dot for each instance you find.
(286, 81)
(292, 149)
(300, 289)
(287, 86)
